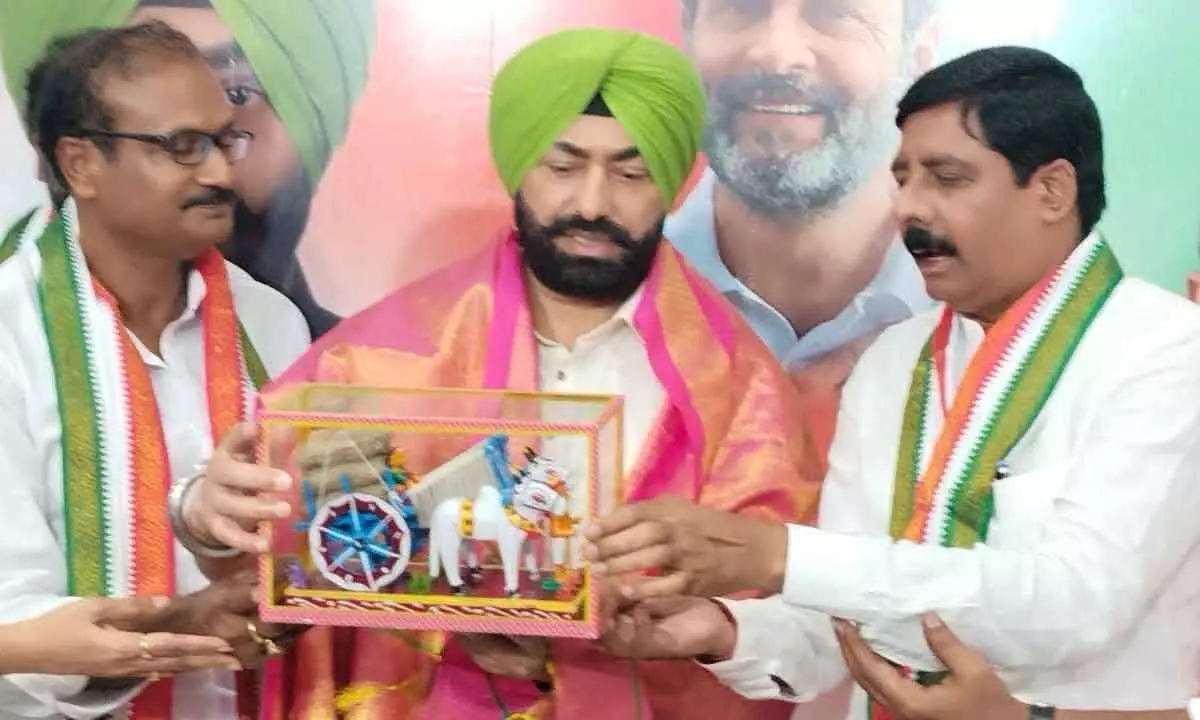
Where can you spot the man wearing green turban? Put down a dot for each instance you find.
(594, 133)
(293, 69)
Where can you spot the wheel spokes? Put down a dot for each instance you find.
(354, 519)
(344, 556)
(382, 551)
(337, 535)
(364, 557)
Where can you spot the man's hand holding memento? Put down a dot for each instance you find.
(670, 629)
(691, 550)
(227, 609)
(225, 505)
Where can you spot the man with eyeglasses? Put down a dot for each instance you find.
(293, 71)
(129, 348)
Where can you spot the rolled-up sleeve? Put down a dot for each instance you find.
(783, 652)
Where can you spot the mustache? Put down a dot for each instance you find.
(616, 234)
(922, 243)
(744, 91)
(213, 196)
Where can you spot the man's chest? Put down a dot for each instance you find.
(1031, 472)
(617, 366)
(180, 403)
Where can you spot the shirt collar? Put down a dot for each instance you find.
(692, 229)
(195, 291)
(623, 317)
(896, 292)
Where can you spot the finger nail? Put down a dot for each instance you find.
(282, 510)
(262, 546)
(159, 602)
(224, 648)
(598, 568)
(839, 627)
(283, 481)
(931, 621)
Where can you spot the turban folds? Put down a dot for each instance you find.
(649, 86)
(311, 56)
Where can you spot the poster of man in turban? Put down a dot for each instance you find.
(293, 69)
(383, 105)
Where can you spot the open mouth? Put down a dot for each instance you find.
(923, 254)
(783, 108)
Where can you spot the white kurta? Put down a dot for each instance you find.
(1087, 593)
(32, 561)
(610, 359)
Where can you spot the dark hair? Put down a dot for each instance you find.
(65, 86)
(1031, 107)
(916, 13)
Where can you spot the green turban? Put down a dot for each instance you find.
(649, 86)
(311, 56)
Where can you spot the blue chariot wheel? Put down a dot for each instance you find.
(360, 542)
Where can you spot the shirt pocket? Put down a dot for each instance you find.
(1023, 503)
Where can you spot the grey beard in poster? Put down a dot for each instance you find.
(859, 138)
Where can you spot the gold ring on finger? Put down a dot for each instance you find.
(252, 631)
(144, 648)
(269, 646)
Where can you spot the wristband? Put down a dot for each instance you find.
(176, 502)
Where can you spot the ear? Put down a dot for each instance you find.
(81, 164)
(1057, 189)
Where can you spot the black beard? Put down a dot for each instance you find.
(586, 278)
(264, 245)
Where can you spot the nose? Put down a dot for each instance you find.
(215, 170)
(783, 44)
(909, 206)
(593, 198)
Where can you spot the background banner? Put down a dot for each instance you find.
(410, 186)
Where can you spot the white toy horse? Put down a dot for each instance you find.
(540, 491)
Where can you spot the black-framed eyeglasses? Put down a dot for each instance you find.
(188, 147)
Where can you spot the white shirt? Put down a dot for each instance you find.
(896, 292)
(32, 560)
(610, 359)
(1087, 593)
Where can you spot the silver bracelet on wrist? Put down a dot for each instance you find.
(176, 502)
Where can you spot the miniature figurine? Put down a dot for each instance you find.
(540, 492)
(367, 514)
(296, 575)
